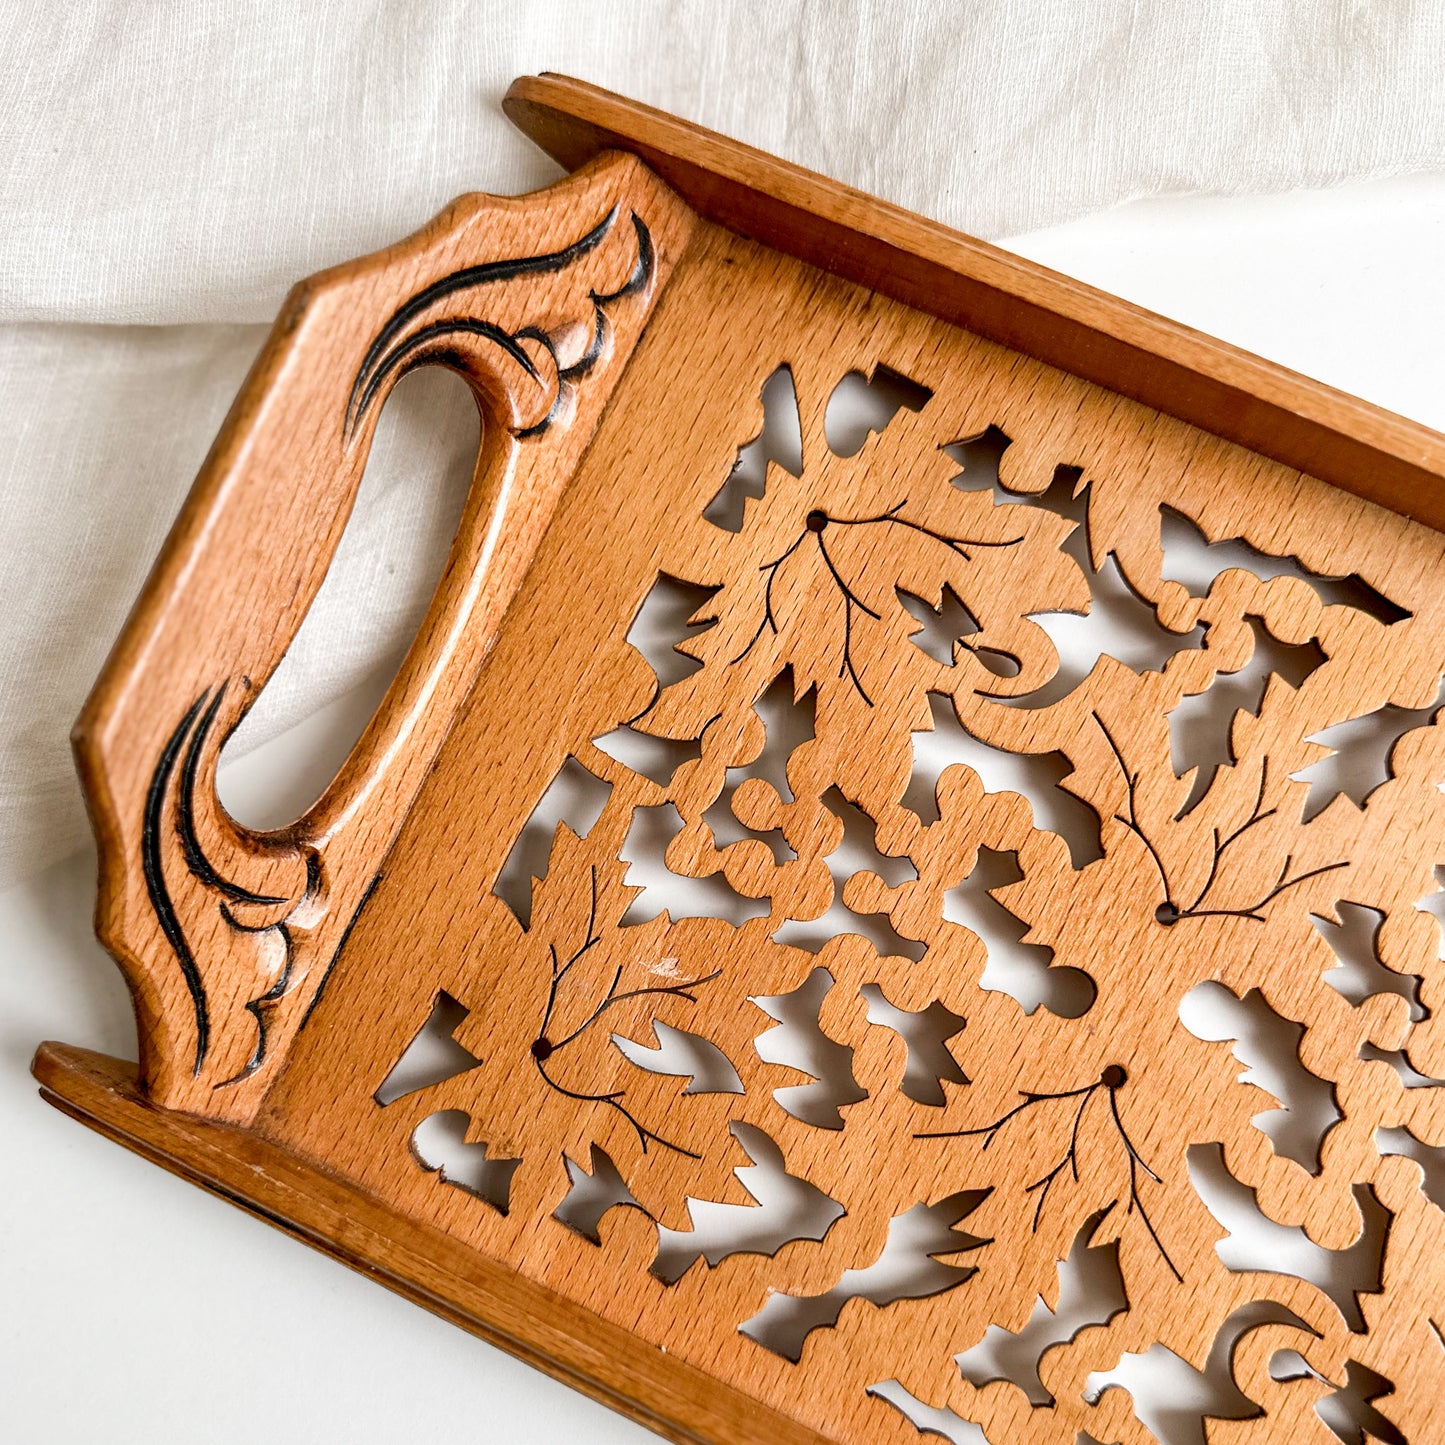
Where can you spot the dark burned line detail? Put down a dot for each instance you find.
(484, 274)
(196, 860)
(1171, 911)
(259, 1007)
(543, 1048)
(394, 349)
(815, 524)
(177, 775)
(156, 889)
(1111, 1080)
(339, 950)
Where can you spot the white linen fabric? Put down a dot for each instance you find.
(167, 171)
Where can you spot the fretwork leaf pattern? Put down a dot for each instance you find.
(875, 1090)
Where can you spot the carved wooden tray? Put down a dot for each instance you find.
(1030, 1049)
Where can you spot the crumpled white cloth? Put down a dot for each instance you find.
(167, 171)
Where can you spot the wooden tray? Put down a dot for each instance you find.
(1163, 1159)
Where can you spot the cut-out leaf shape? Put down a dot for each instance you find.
(433, 1055)
(856, 853)
(1039, 777)
(1118, 622)
(655, 758)
(600, 976)
(1078, 1102)
(1254, 1241)
(1354, 938)
(859, 405)
(672, 612)
(788, 1208)
(929, 1419)
(788, 721)
(1024, 971)
(1349, 1409)
(1207, 902)
(941, 630)
(649, 833)
(1201, 728)
(1172, 1399)
(1361, 752)
(780, 441)
(799, 1043)
(926, 1032)
(1091, 1293)
(1267, 1043)
(440, 1143)
(1191, 558)
(910, 1266)
(592, 1194)
(683, 1055)
(816, 577)
(1402, 1143)
(979, 456)
(830, 598)
(575, 797)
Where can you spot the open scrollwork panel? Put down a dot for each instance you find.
(919, 906)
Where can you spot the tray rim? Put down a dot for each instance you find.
(1326, 433)
(1343, 441)
(423, 1264)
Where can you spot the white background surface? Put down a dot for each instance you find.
(134, 1308)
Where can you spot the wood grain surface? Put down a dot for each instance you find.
(899, 1114)
(1186, 373)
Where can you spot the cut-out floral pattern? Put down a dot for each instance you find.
(881, 1053)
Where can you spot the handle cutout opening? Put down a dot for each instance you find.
(370, 605)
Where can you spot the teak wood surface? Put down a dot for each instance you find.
(1033, 448)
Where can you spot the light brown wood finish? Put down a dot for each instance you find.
(247, 555)
(1174, 368)
(814, 589)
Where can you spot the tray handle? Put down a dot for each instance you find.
(227, 936)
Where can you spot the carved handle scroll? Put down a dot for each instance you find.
(227, 937)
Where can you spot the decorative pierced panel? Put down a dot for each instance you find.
(932, 912)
